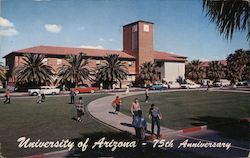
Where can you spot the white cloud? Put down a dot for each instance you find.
(92, 47)
(5, 22)
(101, 39)
(8, 32)
(7, 28)
(53, 28)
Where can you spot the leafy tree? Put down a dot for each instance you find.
(238, 65)
(194, 70)
(34, 71)
(76, 70)
(229, 15)
(149, 72)
(112, 70)
(216, 71)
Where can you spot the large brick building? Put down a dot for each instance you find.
(138, 47)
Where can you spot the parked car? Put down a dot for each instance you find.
(84, 89)
(157, 87)
(243, 83)
(46, 90)
(222, 83)
(190, 85)
(174, 85)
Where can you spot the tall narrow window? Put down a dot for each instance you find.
(134, 37)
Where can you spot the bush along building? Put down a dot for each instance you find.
(138, 47)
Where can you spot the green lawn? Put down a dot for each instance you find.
(51, 120)
(191, 108)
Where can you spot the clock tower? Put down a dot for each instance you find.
(138, 41)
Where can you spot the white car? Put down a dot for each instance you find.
(190, 85)
(222, 83)
(45, 90)
(174, 85)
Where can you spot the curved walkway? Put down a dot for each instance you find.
(102, 110)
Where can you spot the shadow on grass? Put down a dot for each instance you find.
(227, 127)
(146, 151)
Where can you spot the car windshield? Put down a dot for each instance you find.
(82, 87)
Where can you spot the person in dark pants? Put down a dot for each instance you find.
(72, 97)
(79, 109)
(140, 125)
(208, 85)
(7, 97)
(146, 95)
(42, 95)
(117, 103)
(155, 116)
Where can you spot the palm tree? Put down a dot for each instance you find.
(215, 71)
(229, 15)
(149, 72)
(112, 70)
(75, 71)
(34, 71)
(2, 72)
(238, 63)
(194, 70)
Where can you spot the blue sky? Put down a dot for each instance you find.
(180, 26)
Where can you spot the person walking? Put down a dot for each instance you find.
(42, 95)
(72, 95)
(117, 103)
(140, 125)
(7, 97)
(155, 116)
(135, 107)
(39, 97)
(79, 109)
(146, 95)
(127, 89)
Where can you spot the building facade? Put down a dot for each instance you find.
(138, 47)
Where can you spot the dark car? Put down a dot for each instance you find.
(157, 87)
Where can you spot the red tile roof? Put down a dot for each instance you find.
(168, 57)
(55, 50)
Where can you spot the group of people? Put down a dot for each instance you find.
(80, 110)
(139, 122)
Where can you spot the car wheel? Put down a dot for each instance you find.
(34, 93)
(92, 91)
(53, 93)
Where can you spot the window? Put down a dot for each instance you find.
(146, 28)
(45, 61)
(98, 62)
(59, 61)
(129, 63)
(134, 37)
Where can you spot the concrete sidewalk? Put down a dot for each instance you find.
(102, 110)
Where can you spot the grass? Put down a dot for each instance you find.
(191, 108)
(52, 121)
(49, 121)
